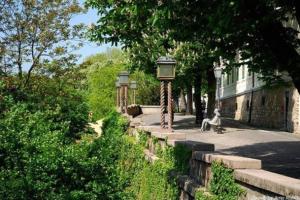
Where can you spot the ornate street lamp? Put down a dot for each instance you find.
(117, 83)
(133, 86)
(124, 82)
(166, 72)
(218, 75)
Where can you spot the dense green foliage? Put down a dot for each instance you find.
(34, 34)
(38, 153)
(131, 176)
(148, 89)
(223, 185)
(102, 72)
(157, 180)
(40, 159)
(203, 195)
(264, 32)
(127, 174)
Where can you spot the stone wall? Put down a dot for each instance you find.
(268, 108)
(247, 172)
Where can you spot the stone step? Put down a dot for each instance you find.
(193, 145)
(269, 181)
(233, 162)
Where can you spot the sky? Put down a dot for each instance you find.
(89, 48)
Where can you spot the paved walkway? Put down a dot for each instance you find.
(279, 151)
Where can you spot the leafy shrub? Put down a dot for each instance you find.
(102, 74)
(157, 180)
(154, 182)
(40, 160)
(134, 177)
(203, 195)
(223, 185)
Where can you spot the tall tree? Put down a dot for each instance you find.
(34, 32)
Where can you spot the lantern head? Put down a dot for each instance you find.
(166, 68)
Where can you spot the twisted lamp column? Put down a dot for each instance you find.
(121, 99)
(170, 112)
(126, 98)
(162, 104)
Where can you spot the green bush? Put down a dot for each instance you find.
(102, 74)
(39, 158)
(137, 178)
(203, 195)
(40, 162)
(223, 185)
(154, 182)
(158, 180)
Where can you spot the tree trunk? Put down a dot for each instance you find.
(189, 107)
(182, 102)
(211, 94)
(197, 98)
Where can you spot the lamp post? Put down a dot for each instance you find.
(166, 73)
(133, 86)
(118, 92)
(218, 74)
(124, 82)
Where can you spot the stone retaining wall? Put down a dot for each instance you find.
(258, 183)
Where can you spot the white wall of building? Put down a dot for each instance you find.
(239, 81)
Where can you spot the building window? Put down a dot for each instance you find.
(236, 106)
(232, 75)
(263, 101)
(237, 73)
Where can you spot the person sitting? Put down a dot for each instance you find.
(215, 121)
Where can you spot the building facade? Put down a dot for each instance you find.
(246, 98)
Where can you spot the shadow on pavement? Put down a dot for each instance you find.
(279, 157)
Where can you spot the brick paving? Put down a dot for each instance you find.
(278, 150)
